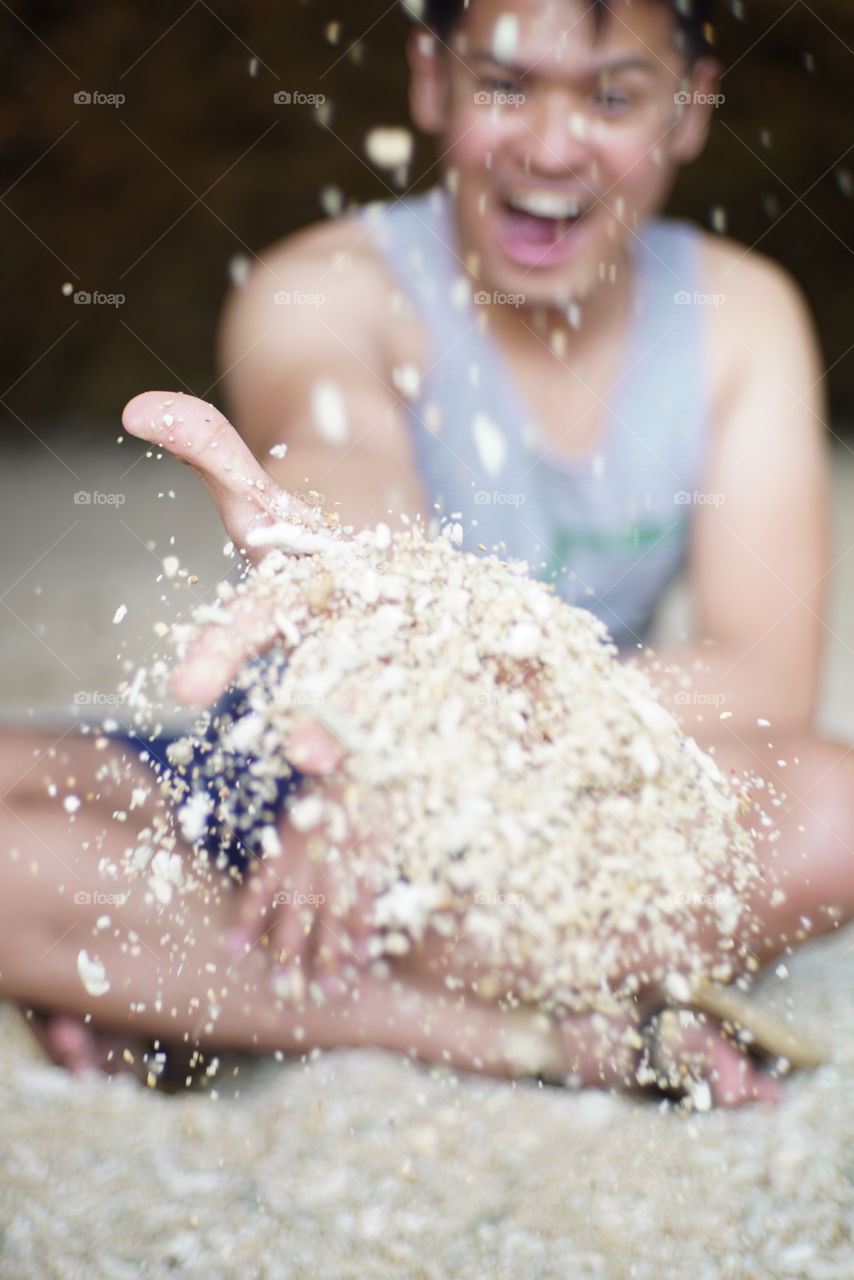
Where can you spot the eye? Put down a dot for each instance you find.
(497, 85)
(613, 102)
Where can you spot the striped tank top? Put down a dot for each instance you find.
(609, 526)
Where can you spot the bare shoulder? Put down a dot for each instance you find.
(759, 326)
(320, 310)
(338, 253)
(752, 288)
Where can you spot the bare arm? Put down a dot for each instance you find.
(316, 376)
(759, 552)
(758, 555)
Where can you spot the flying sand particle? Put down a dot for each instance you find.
(330, 415)
(490, 443)
(505, 39)
(389, 147)
(93, 975)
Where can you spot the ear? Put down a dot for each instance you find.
(428, 82)
(703, 84)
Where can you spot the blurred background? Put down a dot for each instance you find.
(144, 156)
(153, 198)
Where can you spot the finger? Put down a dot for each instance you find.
(337, 946)
(294, 923)
(66, 1041)
(345, 920)
(313, 933)
(219, 652)
(314, 749)
(83, 1049)
(735, 1079)
(362, 929)
(256, 911)
(197, 434)
(344, 927)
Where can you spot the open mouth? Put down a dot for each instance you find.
(537, 225)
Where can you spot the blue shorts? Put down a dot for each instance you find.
(236, 817)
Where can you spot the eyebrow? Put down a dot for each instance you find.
(632, 62)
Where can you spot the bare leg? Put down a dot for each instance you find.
(811, 858)
(178, 980)
(170, 970)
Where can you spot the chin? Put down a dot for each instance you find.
(541, 287)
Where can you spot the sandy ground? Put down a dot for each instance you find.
(359, 1164)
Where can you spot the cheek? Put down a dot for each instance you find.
(634, 166)
(474, 139)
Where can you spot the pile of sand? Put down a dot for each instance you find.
(522, 788)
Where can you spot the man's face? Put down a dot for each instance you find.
(559, 141)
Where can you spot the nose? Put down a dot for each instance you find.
(556, 137)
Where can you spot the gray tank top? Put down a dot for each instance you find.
(609, 527)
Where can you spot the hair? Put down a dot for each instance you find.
(693, 19)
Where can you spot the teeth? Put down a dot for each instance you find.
(545, 204)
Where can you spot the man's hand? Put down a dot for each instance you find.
(310, 925)
(310, 916)
(247, 500)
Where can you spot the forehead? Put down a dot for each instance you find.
(554, 35)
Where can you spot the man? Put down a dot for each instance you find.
(594, 389)
(544, 265)
(542, 287)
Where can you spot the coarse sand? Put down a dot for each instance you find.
(360, 1165)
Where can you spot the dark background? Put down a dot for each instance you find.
(154, 198)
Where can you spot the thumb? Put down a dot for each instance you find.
(197, 434)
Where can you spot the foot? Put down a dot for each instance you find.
(690, 1053)
(82, 1049)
